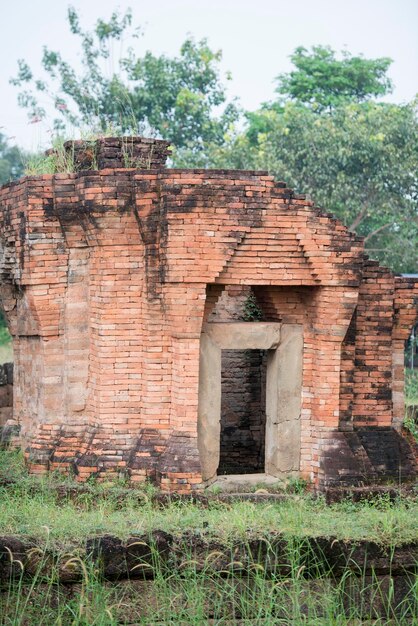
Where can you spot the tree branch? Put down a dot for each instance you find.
(378, 230)
(360, 217)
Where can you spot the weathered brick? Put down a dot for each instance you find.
(108, 276)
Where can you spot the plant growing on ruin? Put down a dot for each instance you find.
(251, 310)
(56, 160)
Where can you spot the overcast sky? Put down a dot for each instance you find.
(256, 37)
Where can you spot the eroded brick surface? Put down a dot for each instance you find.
(107, 278)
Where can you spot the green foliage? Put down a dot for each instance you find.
(411, 402)
(359, 161)
(72, 512)
(173, 97)
(302, 590)
(297, 485)
(411, 424)
(324, 135)
(4, 331)
(252, 311)
(56, 160)
(41, 601)
(58, 515)
(61, 157)
(213, 588)
(323, 81)
(411, 349)
(411, 386)
(11, 161)
(6, 349)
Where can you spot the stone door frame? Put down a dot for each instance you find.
(284, 343)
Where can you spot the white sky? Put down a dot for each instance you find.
(256, 37)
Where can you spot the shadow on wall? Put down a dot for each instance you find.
(6, 392)
(6, 397)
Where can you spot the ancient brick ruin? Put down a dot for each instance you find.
(126, 291)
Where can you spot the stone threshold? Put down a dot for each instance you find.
(240, 482)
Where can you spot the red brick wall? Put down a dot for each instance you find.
(108, 276)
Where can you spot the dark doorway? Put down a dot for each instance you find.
(243, 411)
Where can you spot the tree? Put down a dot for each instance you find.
(11, 161)
(355, 157)
(359, 163)
(323, 81)
(324, 135)
(175, 98)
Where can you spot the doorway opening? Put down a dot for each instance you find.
(280, 346)
(411, 380)
(6, 375)
(243, 411)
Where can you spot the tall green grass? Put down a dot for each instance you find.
(190, 588)
(193, 594)
(61, 158)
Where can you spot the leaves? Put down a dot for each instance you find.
(173, 97)
(358, 161)
(324, 135)
(355, 157)
(11, 161)
(323, 81)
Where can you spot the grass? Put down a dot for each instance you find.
(61, 159)
(190, 595)
(193, 596)
(195, 590)
(59, 515)
(57, 160)
(35, 507)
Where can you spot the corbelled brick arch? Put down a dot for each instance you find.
(108, 279)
